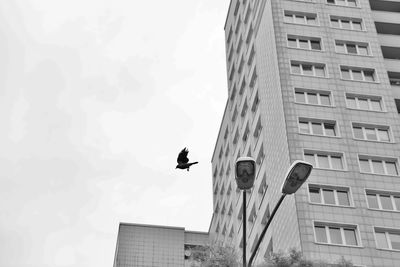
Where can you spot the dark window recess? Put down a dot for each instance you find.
(397, 101)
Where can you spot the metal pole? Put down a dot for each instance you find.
(265, 229)
(244, 229)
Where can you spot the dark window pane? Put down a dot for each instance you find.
(372, 201)
(329, 196)
(343, 198)
(350, 236)
(351, 49)
(316, 45)
(369, 76)
(336, 237)
(330, 129)
(307, 69)
(320, 234)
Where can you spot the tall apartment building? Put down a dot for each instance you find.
(316, 80)
(143, 245)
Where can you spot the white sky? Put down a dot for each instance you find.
(96, 100)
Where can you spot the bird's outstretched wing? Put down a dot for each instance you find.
(182, 157)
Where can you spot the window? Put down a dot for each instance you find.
(246, 133)
(236, 138)
(231, 74)
(347, 47)
(308, 69)
(387, 238)
(383, 200)
(350, 3)
(371, 132)
(325, 160)
(239, 45)
(357, 74)
(312, 97)
(337, 234)
(249, 35)
(244, 109)
(346, 23)
(234, 115)
(251, 56)
(309, 43)
(300, 17)
(266, 216)
(329, 195)
(378, 165)
(252, 215)
(373, 103)
(317, 127)
(257, 130)
(241, 65)
(260, 157)
(236, 8)
(256, 101)
(253, 79)
(229, 38)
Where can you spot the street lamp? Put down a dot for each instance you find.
(295, 177)
(245, 173)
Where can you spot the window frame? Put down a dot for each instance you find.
(387, 232)
(351, 21)
(307, 91)
(351, 69)
(326, 153)
(335, 188)
(308, 38)
(369, 99)
(342, 227)
(357, 44)
(382, 159)
(376, 127)
(323, 122)
(378, 193)
(358, 4)
(300, 13)
(313, 65)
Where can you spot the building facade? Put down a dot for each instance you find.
(316, 80)
(142, 245)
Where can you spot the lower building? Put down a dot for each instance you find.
(152, 245)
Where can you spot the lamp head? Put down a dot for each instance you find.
(296, 176)
(245, 172)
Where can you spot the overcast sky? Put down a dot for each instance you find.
(97, 97)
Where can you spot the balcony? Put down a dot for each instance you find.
(392, 58)
(391, 6)
(394, 78)
(387, 28)
(386, 17)
(389, 40)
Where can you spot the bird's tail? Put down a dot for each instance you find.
(194, 163)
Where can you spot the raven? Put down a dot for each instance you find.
(183, 161)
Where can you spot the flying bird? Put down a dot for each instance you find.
(183, 161)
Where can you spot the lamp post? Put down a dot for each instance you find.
(245, 173)
(295, 177)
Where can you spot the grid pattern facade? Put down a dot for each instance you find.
(316, 80)
(150, 245)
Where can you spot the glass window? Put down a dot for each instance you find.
(343, 198)
(357, 25)
(345, 24)
(336, 236)
(304, 44)
(311, 20)
(391, 168)
(381, 240)
(364, 165)
(350, 237)
(296, 68)
(377, 165)
(320, 234)
(357, 75)
(323, 161)
(358, 132)
(300, 97)
(363, 103)
(346, 74)
(315, 195)
(330, 129)
(325, 100)
(317, 128)
(351, 3)
(312, 98)
(369, 75)
(310, 158)
(340, 48)
(329, 196)
(304, 128)
(335, 23)
(351, 102)
(316, 45)
(370, 133)
(292, 42)
(362, 50)
(397, 202)
(383, 135)
(386, 202)
(351, 49)
(395, 240)
(376, 105)
(320, 71)
(337, 163)
(307, 69)
(372, 201)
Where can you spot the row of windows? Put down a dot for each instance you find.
(350, 73)
(339, 22)
(348, 235)
(361, 131)
(367, 164)
(341, 46)
(340, 196)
